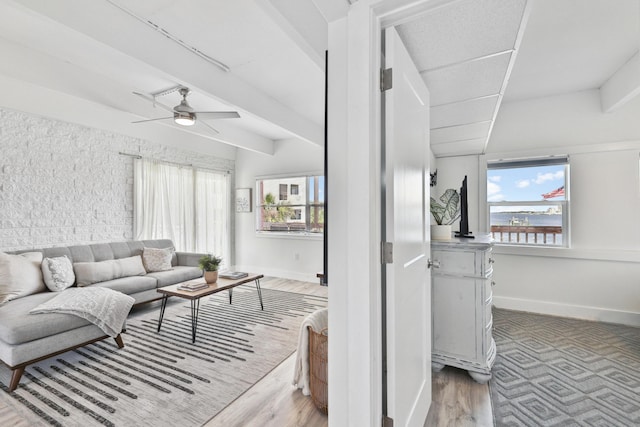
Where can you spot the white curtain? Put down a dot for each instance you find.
(189, 206)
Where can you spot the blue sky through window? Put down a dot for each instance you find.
(524, 184)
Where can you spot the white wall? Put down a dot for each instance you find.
(64, 184)
(599, 276)
(451, 172)
(298, 258)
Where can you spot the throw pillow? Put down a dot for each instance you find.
(88, 273)
(157, 259)
(20, 275)
(58, 273)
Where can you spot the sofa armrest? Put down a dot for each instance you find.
(189, 259)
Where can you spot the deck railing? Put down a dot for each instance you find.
(526, 234)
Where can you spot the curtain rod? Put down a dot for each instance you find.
(188, 165)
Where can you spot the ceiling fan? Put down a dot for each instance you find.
(183, 113)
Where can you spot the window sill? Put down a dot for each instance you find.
(569, 253)
(289, 235)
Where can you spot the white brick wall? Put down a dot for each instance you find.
(64, 184)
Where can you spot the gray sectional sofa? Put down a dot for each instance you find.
(26, 338)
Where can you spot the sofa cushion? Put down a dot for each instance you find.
(88, 273)
(20, 275)
(130, 285)
(57, 273)
(161, 244)
(18, 326)
(177, 275)
(157, 259)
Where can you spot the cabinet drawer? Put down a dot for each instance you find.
(456, 263)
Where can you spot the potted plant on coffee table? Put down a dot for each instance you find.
(209, 264)
(445, 213)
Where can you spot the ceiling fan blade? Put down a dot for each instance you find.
(209, 126)
(151, 120)
(217, 114)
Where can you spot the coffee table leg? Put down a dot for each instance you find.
(230, 294)
(259, 293)
(195, 309)
(162, 307)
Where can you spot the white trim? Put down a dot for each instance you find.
(566, 150)
(274, 272)
(291, 235)
(568, 310)
(355, 58)
(569, 253)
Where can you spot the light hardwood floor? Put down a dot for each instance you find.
(458, 401)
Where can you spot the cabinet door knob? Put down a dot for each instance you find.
(435, 263)
(491, 260)
(493, 283)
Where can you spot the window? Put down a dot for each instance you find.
(300, 213)
(283, 192)
(189, 206)
(528, 201)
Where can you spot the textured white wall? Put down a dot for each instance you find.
(64, 184)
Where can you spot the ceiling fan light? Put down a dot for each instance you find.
(184, 119)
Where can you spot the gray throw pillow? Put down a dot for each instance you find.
(88, 273)
(155, 259)
(20, 275)
(57, 273)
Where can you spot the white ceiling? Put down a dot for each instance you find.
(81, 61)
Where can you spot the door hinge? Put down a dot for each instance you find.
(386, 421)
(386, 79)
(387, 252)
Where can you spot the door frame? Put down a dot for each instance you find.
(354, 253)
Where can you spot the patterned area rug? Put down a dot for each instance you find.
(162, 379)
(553, 371)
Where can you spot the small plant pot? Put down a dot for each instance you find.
(440, 232)
(211, 276)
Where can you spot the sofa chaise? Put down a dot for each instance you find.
(27, 338)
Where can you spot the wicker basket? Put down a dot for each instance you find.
(318, 368)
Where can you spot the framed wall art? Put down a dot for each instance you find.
(243, 200)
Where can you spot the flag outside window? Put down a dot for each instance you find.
(555, 193)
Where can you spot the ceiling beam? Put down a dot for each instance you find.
(143, 43)
(65, 78)
(622, 86)
(45, 102)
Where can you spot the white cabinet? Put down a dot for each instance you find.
(461, 306)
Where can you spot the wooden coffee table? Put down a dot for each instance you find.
(194, 296)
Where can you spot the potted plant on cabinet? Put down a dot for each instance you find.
(209, 264)
(445, 214)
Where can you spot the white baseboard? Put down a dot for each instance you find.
(285, 274)
(566, 310)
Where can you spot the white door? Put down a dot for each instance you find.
(406, 226)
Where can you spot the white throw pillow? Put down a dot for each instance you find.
(88, 273)
(20, 275)
(58, 273)
(157, 259)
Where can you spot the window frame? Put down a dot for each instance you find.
(306, 207)
(564, 204)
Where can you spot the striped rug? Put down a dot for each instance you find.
(162, 379)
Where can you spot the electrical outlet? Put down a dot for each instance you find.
(296, 256)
